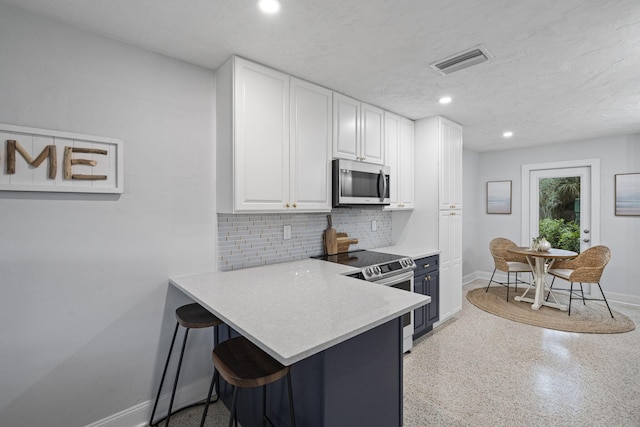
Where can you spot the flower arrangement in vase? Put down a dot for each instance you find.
(540, 244)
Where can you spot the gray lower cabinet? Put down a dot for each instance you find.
(426, 281)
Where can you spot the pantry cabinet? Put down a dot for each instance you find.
(358, 130)
(399, 140)
(273, 141)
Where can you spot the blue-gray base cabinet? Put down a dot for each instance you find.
(355, 383)
(426, 281)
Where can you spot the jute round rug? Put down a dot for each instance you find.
(591, 318)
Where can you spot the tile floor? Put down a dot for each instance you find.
(481, 370)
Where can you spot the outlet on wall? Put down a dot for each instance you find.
(374, 225)
(287, 232)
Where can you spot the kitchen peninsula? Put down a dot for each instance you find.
(341, 335)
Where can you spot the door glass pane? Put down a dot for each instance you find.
(559, 212)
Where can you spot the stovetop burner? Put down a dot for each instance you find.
(360, 258)
(373, 265)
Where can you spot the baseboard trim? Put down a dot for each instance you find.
(502, 277)
(138, 415)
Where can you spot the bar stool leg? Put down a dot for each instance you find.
(175, 383)
(264, 405)
(293, 416)
(233, 407)
(164, 374)
(214, 381)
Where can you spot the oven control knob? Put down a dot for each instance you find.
(376, 270)
(367, 272)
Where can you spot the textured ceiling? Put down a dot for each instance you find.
(563, 70)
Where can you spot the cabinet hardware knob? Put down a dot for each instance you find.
(427, 279)
(287, 205)
(427, 266)
(586, 240)
(295, 206)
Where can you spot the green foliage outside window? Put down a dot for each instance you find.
(561, 234)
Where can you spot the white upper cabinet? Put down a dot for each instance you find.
(450, 183)
(372, 139)
(358, 130)
(399, 141)
(274, 146)
(311, 124)
(346, 127)
(406, 174)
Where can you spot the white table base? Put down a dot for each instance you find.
(539, 269)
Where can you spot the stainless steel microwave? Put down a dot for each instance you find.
(358, 183)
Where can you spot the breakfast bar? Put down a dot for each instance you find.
(342, 337)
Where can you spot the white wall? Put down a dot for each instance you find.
(617, 154)
(86, 311)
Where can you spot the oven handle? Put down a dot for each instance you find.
(394, 280)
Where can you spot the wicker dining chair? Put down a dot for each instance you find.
(587, 267)
(507, 262)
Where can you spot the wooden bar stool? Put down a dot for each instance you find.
(190, 316)
(243, 364)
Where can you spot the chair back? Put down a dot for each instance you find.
(498, 248)
(590, 264)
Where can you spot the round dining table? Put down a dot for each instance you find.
(540, 262)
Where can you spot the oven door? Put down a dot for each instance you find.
(402, 281)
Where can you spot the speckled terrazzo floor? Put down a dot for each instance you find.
(482, 370)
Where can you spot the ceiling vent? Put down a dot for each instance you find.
(460, 61)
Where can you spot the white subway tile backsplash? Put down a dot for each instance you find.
(249, 240)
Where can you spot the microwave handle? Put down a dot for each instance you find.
(382, 193)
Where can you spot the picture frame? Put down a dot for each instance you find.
(627, 193)
(499, 197)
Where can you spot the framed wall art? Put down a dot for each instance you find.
(54, 161)
(499, 197)
(628, 194)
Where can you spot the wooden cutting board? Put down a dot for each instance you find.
(344, 241)
(330, 239)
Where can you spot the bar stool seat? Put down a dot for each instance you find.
(190, 316)
(243, 365)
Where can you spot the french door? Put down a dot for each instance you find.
(577, 196)
(587, 207)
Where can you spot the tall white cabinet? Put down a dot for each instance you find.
(439, 177)
(273, 141)
(448, 136)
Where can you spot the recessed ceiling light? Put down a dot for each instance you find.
(269, 6)
(507, 134)
(445, 100)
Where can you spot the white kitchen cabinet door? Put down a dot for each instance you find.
(311, 127)
(392, 143)
(372, 138)
(261, 119)
(406, 173)
(450, 183)
(450, 243)
(399, 157)
(346, 127)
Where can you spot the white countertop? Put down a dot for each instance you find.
(296, 309)
(414, 252)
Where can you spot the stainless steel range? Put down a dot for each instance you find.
(383, 269)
